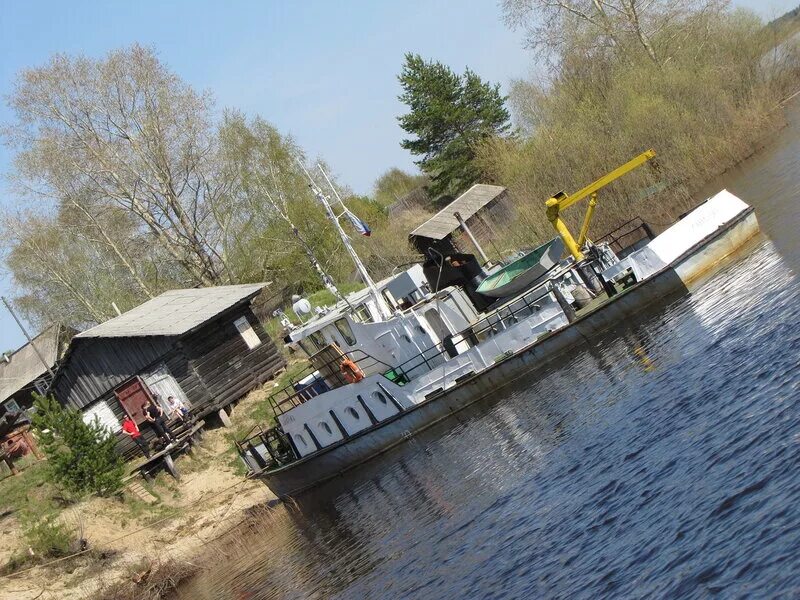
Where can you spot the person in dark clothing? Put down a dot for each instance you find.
(155, 415)
(131, 429)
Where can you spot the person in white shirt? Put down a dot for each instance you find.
(177, 409)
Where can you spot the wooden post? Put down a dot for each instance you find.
(31, 442)
(223, 416)
(475, 243)
(170, 464)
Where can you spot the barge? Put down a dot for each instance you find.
(377, 380)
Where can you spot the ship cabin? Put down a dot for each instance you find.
(422, 320)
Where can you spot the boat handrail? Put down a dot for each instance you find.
(331, 375)
(278, 445)
(498, 320)
(631, 227)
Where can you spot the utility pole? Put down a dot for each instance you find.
(28, 337)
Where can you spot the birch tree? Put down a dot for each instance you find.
(128, 132)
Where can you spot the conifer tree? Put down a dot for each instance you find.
(449, 114)
(81, 457)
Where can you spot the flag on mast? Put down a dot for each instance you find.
(361, 226)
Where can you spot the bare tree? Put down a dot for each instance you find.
(55, 273)
(129, 132)
(621, 25)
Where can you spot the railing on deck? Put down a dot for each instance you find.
(278, 445)
(331, 377)
(632, 232)
(266, 449)
(490, 325)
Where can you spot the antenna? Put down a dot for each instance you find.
(362, 270)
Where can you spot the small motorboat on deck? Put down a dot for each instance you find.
(524, 272)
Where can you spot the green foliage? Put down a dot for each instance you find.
(702, 111)
(395, 183)
(30, 494)
(48, 538)
(449, 115)
(81, 457)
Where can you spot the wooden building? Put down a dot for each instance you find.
(204, 346)
(480, 206)
(28, 369)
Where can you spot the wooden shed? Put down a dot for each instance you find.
(480, 206)
(204, 346)
(28, 369)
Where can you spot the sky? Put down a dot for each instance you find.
(324, 72)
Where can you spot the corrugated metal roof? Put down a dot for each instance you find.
(443, 223)
(24, 365)
(174, 312)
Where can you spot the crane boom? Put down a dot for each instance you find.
(561, 202)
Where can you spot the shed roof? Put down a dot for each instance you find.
(24, 365)
(443, 223)
(174, 312)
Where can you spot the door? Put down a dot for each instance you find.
(132, 395)
(161, 382)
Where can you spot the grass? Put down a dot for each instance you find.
(44, 539)
(29, 495)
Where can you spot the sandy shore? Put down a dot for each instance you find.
(209, 501)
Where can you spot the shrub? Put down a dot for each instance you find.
(48, 538)
(81, 456)
(703, 110)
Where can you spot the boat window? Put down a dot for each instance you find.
(387, 295)
(301, 439)
(318, 340)
(347, 333)
(352, 412)
(307, 346)
(379, 397)
(361, 314)
(325, 427)
(436, 323)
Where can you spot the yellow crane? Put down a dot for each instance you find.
(561, 202)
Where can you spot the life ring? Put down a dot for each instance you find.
(350, 371)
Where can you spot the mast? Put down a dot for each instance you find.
(329, 209)
(326, 280)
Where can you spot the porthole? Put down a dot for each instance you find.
(380, 397)
(406, 339)
(352, 412)
(302, 440)
(325, 427)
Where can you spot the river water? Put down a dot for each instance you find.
(661, 461)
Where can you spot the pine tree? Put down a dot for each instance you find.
(81, 457)
(449, 114)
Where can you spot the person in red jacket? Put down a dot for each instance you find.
(131, 429)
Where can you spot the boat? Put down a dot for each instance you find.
(523, 272)
(380, 376)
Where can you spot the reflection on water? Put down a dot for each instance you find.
(662, 460)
